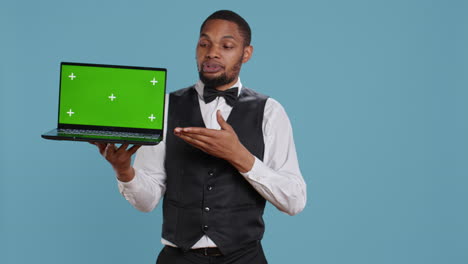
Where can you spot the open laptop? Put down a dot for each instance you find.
(110, 103)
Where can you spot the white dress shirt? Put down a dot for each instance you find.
(278, 178)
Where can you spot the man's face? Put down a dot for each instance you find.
(220, 53)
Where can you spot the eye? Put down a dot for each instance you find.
(228, 46)
(203, 44)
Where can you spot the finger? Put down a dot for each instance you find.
(200, 131)
(101, 146)
(122, 148)
(109, 150)
(222, 123)
(133, 149)
(199, 137)
(178, 130)
(194, 142)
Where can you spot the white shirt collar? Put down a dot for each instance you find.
(200, 86)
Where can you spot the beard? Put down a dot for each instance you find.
(223, 79)
(217, 80)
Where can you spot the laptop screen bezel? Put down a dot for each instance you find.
(111, 128)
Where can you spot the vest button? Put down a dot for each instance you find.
(209, 188)
(211, 173)
(205, 227)
(207, 209)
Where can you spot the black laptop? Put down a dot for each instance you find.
(110, 103)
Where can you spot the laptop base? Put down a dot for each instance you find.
(54, 134)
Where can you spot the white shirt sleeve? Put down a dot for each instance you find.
(149, 184)
(278, 178)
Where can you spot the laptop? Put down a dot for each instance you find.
(110, 103)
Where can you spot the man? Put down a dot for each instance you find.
(215, 175)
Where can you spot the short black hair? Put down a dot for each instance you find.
(231, 16)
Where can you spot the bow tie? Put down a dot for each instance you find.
(230, 95)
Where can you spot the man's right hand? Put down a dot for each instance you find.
(120, 158)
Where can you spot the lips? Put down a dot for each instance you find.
(211, 67)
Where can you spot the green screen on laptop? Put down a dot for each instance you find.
(112, 96)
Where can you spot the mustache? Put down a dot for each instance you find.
(211, 63)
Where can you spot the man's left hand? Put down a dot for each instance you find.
(222, 143)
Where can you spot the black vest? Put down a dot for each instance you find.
(205, 194)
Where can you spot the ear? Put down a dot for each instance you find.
(247, 53)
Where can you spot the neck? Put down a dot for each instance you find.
(225, 87)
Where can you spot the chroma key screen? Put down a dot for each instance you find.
(100, 95)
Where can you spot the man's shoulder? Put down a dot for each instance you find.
(272, 106)
(250, 92)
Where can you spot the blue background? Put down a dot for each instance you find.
(376, 92)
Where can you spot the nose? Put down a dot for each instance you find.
(212, 52)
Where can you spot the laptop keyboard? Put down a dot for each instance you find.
(107, 133)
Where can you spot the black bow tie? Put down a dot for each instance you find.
(230, 95)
